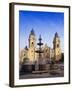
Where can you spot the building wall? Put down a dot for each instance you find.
(31, 54)
(57, 54)
(23, 55)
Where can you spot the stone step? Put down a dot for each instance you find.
(39, 72)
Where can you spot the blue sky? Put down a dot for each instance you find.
(44, 23)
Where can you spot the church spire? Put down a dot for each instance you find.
(32, 32)
(56, 34)
(55, 37)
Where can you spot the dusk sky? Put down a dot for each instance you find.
(44, 23)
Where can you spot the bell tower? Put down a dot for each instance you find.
(32, 43)
(56, 47)
(32, 39)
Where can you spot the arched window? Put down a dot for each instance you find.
(32, 42)
(57, 45)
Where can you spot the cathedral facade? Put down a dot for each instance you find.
(28, 54)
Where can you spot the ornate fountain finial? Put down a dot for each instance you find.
(40, 38)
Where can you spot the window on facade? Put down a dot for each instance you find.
(31, 51)
(46, 50)
(32, 42)
(57, 45)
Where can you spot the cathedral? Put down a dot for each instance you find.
(29, 54)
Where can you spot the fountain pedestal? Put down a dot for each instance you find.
(40, 65)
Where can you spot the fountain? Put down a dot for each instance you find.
(39, 64)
